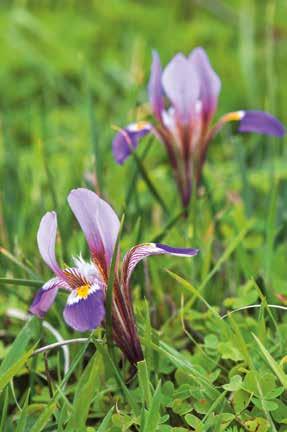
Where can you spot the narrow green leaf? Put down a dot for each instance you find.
(30, 332)
(44, 418)
(158, 238)
(4, 409)
(144, 382)
(272, 363)
(121, 383)
(10, 372)
(149, 183)
(21, 425)
(22, 282)
(84, 394)
(153, 415)
(105, 423)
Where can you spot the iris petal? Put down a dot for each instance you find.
(98, 221)
(45, 296)
(83, 314)
(127, 140)
(141, 251)
(155, 89)
(46, 238)
(181, 84)
(209, 82)
(261, 122)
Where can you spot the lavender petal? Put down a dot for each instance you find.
(209, 82)
(181, 84)
(46, 238)
(260, 122)
(155, 89)
(127, 140)
(141, 251)
(45, 296)
(98, 221)
(83, 314)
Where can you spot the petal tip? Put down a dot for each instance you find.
(262, 123)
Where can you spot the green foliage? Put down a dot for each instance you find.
(69, 72)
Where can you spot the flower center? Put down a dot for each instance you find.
(83, 291)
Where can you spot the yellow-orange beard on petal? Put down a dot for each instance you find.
(83, 291)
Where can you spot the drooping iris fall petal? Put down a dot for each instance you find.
(141, 251)
(46, 295)
(127, 140)
(98, 221)
(260, 122)
(85, 311)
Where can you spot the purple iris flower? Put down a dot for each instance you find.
(183, 99)
(86, 282)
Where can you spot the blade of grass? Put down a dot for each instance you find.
(272, 363)
(149, 183)
(129, 398)
(31, 331)
(15, 260)
(4, 410)
(21, 424)
(11, 371)
(153, 414)
(106, 421)
(22, 282)
(159, 237)
(144, 383)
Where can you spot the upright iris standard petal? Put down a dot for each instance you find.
(209, 82)
(127, 140)
(85, 312)
(260, 122)
(46, 238)
(98, 221)
(141, 251)
(155, 89)
(181, 84)
(45, 296)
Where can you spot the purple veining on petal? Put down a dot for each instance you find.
(127, 140)
(209, 82)
(181, 84)
(46, 238)
(261, 122)
(86, 314)
(141, 251)
(45, 296)
(98, 221)
(155, 89)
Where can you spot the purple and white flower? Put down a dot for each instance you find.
(183, 99)
(86, 282)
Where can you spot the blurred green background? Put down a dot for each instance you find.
(70, 70)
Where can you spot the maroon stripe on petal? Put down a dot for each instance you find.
(99, 223)
(141, 251)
